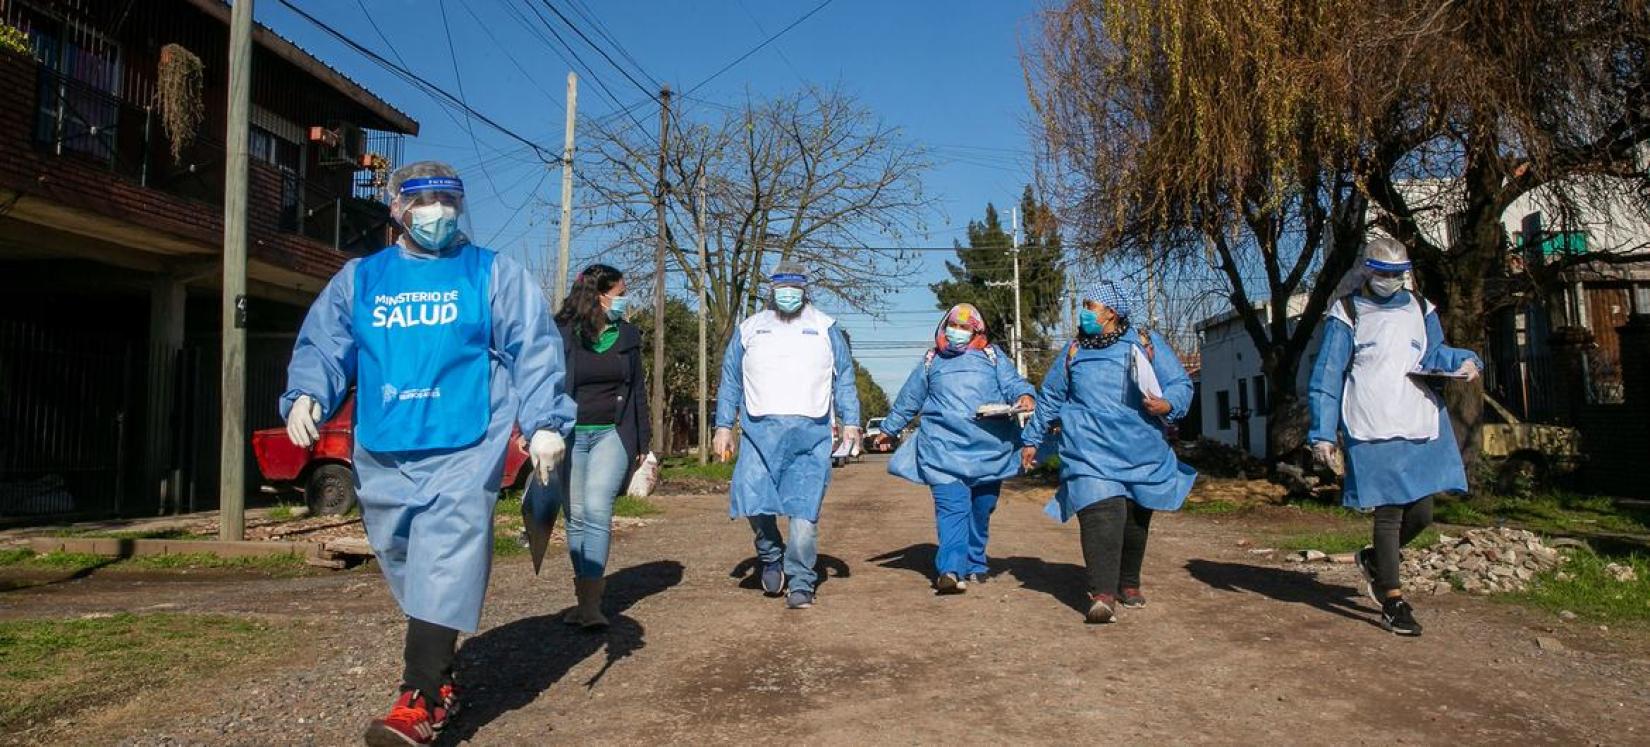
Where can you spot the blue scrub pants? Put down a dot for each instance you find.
(598, 467)
(799, 555)
(962, 516)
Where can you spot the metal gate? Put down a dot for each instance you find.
(63, 419)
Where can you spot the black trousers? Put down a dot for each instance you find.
(1114, 543)
(428, 657)
(1395, 526)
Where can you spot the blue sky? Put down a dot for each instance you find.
(947, 73)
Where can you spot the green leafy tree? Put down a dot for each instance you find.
(681, 370)
(873, 401)
(983, 275)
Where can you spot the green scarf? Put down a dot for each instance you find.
(604, 341)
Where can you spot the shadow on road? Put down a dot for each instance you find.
(918, 558)
(32, 581)
(509, 666)
(1283, 585)
(826, 567)
(1066, 582)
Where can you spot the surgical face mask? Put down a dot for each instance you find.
(1386, 285)
(788, 299)
(432, 226)
(1089, 322)
(958, 337)
(616, 307)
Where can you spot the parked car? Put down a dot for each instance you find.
(324, 472)
(878, 442)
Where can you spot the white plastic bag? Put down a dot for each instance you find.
(645, 478)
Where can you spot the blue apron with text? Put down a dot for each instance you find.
(423, 332)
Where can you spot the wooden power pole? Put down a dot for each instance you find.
(660, 190)
(232, 441)
(560, 290)
(704, 351)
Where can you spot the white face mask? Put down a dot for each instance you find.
(1386, 286)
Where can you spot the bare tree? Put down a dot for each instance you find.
(1188, 136)
(811, 177)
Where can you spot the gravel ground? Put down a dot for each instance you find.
(1231, 649)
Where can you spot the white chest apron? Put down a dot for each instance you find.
(1381, 401)
(789, 366)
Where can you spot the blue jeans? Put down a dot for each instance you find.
(598, 467)
(799, 555)
(962, 514)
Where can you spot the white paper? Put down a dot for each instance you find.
(1145, 376)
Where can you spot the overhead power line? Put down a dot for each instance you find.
(765, 42)
(441, 95)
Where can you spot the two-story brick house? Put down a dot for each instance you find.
(111, 244)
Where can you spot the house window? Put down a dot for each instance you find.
(1243, 398)
(271, 148)
(1262, 405)
(1223, 410)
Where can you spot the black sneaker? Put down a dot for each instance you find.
(1365, 560)
(948, 583)
(1398, 617)
(1101, 609)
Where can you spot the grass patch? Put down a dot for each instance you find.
(284, 511)
(691, 469)
(1552, 512)
(508, 543)
(1340, 540)
(1589, 591)
(1214, 508)
(51, 668)
(73, 562)
(134, 534)
(631, 506)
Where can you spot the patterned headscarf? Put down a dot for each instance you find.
(964, 314)
(1107, 294)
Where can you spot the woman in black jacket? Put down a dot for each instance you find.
(605, 378)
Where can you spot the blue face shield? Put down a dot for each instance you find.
(788, 299)
(1089, 322)
(616, 307)
(958, 337)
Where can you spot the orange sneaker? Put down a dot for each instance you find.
(410, 722)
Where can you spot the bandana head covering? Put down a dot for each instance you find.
(964, 314)
(1106, 293)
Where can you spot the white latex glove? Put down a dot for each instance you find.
(302, 422)
(1328, 455)
(546, 450)
(851, 436)
(721, 445)
(1469, 369)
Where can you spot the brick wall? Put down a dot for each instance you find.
(80, 183)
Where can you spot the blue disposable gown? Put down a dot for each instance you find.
(951, 445)
(1108, 444)
(1392, 471)
(784, 461)
(429, 514)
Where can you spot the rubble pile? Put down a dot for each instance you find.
(1484, 561)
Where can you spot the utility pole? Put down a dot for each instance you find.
(1019, 338)
(232, 433)
(560, 290)
(659, 192)
(704, 351)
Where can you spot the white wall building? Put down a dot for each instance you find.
(1234, 407)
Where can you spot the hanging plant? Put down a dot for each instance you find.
(12, 39)
(179, 96)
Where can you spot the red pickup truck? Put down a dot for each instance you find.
(323, 471)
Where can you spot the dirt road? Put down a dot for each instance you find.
(1230, 650)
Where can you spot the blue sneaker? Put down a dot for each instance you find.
(800, 600)
(773, 578)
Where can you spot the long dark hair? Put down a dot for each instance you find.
(583, 306)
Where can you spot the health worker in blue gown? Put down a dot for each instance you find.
(961, 456)
(448, 346)
(1371, 389)
(1114, 391)
(786, 373)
